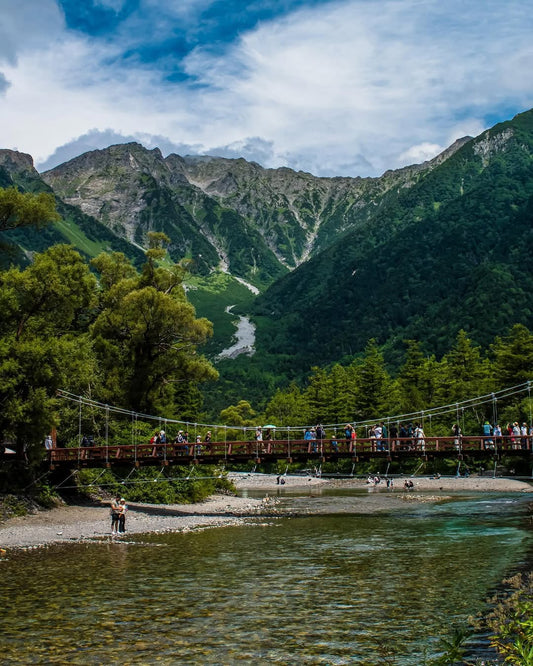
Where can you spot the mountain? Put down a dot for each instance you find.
(85, 232)
(454, 251)
(256, 223)
(420, 252)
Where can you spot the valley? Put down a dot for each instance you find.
(313, 266)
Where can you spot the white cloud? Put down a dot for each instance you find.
(342, 88)
(420, 153)
(27, 26)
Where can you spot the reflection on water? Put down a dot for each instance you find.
(324, 589)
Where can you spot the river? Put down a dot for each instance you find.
(339, 586)
(244, 337)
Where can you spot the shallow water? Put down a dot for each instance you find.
(333, 588)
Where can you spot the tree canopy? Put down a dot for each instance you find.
(129, 339)
(18, 209)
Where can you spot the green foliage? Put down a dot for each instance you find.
(453, 648)
(47, 497)
(12, 506)
(130, 340)
(241, 414)
(19, 209)
(364, 390)
(43, 346)
(145, 336)
(166, 485)
(510, 621)
(464, 371)
(415, 270)
(211, 297)
(418, 379)
(513, 357)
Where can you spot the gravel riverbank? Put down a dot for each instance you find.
(81, 522)
(74, 523)
(422, 483)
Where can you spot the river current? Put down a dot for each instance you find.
(340, 586)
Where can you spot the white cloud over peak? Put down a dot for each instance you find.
(341, 88)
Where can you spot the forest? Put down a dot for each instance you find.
(123, 332)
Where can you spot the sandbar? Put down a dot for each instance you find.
(79, 522)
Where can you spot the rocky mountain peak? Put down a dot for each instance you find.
(12, 160)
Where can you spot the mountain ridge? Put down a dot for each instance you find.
(460, 237)
(417, 253)
(290, 214)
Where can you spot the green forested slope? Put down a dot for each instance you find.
(84, 232)
(453, 252)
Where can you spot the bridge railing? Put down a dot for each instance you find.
(290, 448)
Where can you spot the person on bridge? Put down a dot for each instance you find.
(420, 442)
(487, 434)
(309, 436)
(155, 440)
(181, 443)
(523, 435)
(348, 430)
(456, 431)
(393, 432)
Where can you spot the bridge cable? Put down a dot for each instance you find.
(65, 480)
(107, 433)
(79, 432)
(434, 411)
(36, 480)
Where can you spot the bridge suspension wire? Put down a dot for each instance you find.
(431, 413)
(125, 482)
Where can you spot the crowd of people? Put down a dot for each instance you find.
(399, 436)
(517, 434)
(181, 442)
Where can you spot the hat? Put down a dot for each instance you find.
(122, 499)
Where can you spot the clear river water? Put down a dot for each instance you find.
(340, 586)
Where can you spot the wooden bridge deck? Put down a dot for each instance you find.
(111, 455)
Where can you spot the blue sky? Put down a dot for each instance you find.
(351, 87)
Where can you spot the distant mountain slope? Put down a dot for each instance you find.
(257, 223)
(453, 251)
(86, 233)
(297, 213)
(420, 252)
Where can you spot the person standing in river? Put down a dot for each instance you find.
(122, 508)
(115, 512)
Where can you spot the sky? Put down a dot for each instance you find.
(331, 87)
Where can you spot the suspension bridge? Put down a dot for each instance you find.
(290, 450)
(236, 444)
